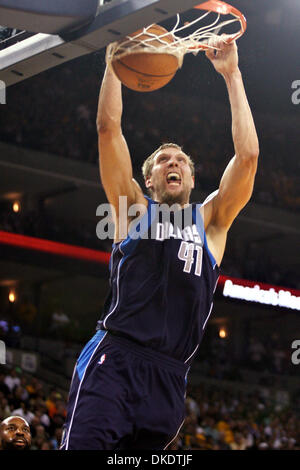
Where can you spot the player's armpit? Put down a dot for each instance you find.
(216, 236)
(207, 208)
(216, 240)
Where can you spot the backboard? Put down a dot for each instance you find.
(28, 54)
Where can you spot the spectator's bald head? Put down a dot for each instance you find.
(15, 434)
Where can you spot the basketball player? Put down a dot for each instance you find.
(15, 434)
(128, 386)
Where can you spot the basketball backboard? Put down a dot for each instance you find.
(112, 21)
(47, 16)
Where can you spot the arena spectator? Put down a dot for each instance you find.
(256, 352)
(3, 385)
(15, 434)
(12, 380)
(19, 395)
(51, 402)
(26, 312)
(39, 437)
(216, 419)
(5, 409)
(35, 388)
(24, 412)
(56, 439)
(59, 321)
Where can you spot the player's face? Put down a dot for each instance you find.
(15, 434)
(171, 179)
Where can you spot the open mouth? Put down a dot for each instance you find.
(173, 178)
(20, 442)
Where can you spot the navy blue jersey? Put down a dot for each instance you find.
(162, 279)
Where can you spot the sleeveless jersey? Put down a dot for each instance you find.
(162, 279)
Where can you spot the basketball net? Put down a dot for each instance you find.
(198, 40)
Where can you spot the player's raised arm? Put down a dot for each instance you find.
(237, 182)
(114, 158)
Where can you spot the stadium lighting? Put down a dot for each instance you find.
(222, 333)
(12, 296)
(16, 206)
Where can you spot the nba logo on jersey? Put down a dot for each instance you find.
(102, 359)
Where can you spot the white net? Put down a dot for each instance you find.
(148, 41)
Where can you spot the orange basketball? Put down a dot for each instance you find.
(147, 71)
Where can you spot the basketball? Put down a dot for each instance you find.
(144, 70)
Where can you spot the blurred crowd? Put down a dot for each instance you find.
(227, 420)
(268, 358)
(38, 223)
(24, 318)
(216, 419)
(259, 267)
(41, 115)
(241, 260)
(42, 407)
(68, 129)
(56, 113)
(249, 260)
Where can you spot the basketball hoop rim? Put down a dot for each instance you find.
(223, 8)
(198, 40)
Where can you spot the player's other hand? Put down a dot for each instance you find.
(225, 57)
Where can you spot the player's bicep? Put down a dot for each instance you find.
(115, 167)
(235, 190)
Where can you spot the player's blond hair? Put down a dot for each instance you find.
(149, 162)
